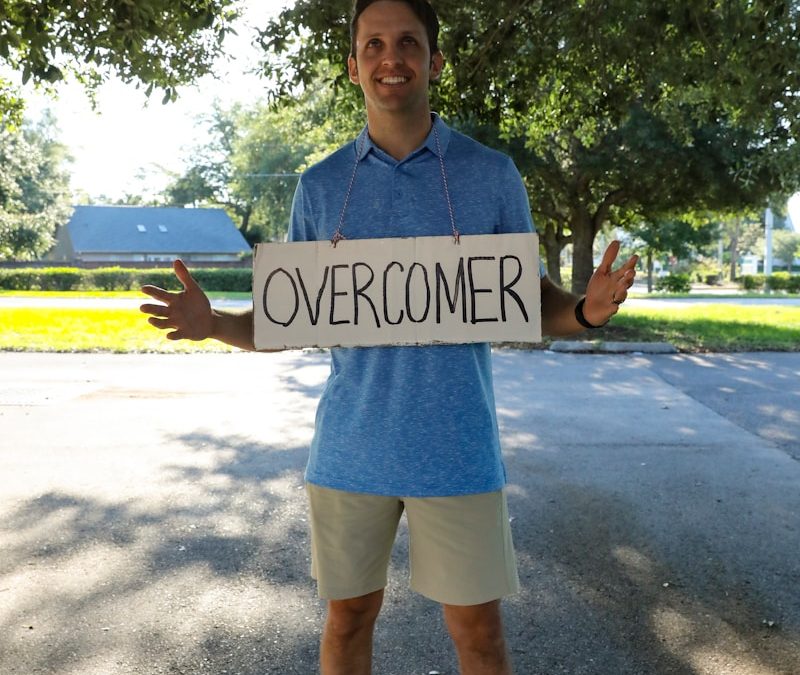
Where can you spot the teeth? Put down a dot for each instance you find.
(393, 80)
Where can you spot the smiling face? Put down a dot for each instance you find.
(393, 64)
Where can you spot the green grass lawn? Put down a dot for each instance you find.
(708, 328)
(713, 328)
(72, 329)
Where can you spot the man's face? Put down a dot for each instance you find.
(393, 63)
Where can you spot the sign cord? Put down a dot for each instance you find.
(338, 236)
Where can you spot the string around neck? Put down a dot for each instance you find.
(339, 236)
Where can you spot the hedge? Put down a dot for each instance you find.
(119, 279)
(778, 281)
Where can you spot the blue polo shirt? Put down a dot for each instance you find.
(414, 421)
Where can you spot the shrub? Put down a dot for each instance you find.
(235, 279)
(121, 279)
(778, 281)
(793, 285)
(112, 278)
(752, 282)
(19, 279)
(59, 278)
(165, 278)
(674, 283)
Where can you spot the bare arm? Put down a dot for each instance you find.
(606, 291)
(189, 314)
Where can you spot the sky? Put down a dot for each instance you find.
(129, 144)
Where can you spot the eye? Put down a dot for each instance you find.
(373, 42)
(408, 40)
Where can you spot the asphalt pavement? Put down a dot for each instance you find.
(153, 518)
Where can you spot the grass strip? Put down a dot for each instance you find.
(73, 329)
(708, 328)
(704, 328)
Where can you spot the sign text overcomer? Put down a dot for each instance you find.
(421, 290)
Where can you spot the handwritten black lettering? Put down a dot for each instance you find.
(452, 301)
(313, 316)
(334, 293)
(386, 294)
(473, 290)
(358, 291)
(506, 287)
(266, 294)
(427, 292)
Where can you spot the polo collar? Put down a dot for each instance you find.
(364, 143)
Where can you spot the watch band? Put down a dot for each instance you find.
(581, 319)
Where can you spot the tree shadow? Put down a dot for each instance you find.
(207, 570)
(664, 555)
(210, 575)
(759, 392)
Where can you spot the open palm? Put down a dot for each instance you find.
(187, 312)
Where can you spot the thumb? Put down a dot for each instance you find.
(182, 272)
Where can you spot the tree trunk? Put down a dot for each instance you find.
(552, 251)
(245, 226)
(582, 245)
(649, 271)
(734, 248)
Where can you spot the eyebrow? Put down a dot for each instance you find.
(405, 33)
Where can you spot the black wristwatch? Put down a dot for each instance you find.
(581, 319)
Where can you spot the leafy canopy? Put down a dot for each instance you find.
(156, 43)
(611, 108)
(34, 190)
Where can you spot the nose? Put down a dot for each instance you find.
(392, 55)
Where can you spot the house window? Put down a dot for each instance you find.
(141, 228)
(162, 228)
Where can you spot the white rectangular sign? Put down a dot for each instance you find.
(420, 290)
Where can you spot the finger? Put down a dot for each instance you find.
(609, 257)
(158, 293)
(160, 323)
(182, 272)
(155, 310)
(620, 295)
(630, 263)
(176, 335)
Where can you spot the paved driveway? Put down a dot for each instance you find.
(152, 516)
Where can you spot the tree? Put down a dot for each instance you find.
(249, 165)
(34, 190)
(618, 110)
(676, 236)
(786, 247)
(156, 43)
(739, 233)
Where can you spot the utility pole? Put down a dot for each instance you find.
(768, 241)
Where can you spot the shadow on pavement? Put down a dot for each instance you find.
(654, 535)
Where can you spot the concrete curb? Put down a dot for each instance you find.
(600, 347)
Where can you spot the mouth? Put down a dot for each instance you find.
(393, 80)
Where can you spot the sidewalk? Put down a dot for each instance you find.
(152, 516)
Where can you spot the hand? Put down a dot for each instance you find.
(608, 289)
(188, 312)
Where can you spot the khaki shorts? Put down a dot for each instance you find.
(460, 547)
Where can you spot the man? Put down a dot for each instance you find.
(407, 428)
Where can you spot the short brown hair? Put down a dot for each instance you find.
(422, 8)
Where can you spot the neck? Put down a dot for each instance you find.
(399, 135)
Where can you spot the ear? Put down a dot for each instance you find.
(437, 64)
(352, 70)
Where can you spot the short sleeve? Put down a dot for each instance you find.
(515, 212)
(301, 226)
